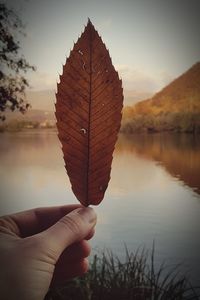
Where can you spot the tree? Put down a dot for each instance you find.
(13, 65)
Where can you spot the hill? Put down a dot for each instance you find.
(131, 97)
(41, 100)
(174, 108)
(33, 119)
(45, 99)
(33, 115)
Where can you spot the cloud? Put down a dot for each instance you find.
(165, 78)
(42, 81)
(105, 24)
(137, 80)
(137, 86)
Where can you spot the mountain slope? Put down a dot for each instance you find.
(182, 94)
(176, 107)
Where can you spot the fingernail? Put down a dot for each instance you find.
(88, 213)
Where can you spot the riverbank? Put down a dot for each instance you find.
(136, 122)
(135, 278)
(17, 126)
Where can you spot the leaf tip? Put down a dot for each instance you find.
(89, 23)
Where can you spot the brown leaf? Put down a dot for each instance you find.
(88, 112)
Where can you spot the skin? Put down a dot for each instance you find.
(43, 247)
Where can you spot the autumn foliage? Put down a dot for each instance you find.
(88, 112)
(175, 108)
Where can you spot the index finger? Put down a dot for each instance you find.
(36, 220)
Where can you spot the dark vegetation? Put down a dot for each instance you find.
(136, 278)
(13, 63)
(176, 108)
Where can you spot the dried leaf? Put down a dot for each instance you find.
(88, 110)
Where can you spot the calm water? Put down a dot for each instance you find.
(154, 192)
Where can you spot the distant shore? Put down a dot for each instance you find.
(178, 122)
(17, 126)
(132, 123)
(128, 129)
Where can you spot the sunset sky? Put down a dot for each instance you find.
(150, 41)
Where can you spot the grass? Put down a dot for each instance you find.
(136, 278)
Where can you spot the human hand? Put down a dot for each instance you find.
(43, 246)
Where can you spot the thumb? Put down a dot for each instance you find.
(72, 228)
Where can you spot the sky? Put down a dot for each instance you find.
(151, 42)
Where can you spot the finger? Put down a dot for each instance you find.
(75, 252)
(90, 235)
(68, 271)
(72, 228)
(36, 220)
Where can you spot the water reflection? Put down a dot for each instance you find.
(178, 153)
(32, 171)
(143, 202)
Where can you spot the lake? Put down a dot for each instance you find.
(153, 194)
